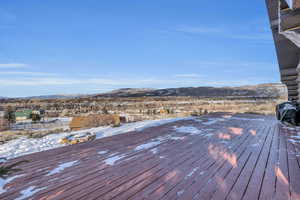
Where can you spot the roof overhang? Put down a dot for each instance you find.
(285, 21)
(293, 4)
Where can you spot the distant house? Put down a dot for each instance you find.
(23, 115)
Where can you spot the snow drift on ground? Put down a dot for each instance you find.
(24, 145)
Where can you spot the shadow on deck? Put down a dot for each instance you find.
(216, 156)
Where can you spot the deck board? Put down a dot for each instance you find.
(214, 180)
(201, 169)
(281, 169)
(294, 172)
(240, 184)
(230, 157)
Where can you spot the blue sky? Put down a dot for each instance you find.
(92, 46)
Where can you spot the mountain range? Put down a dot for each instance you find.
(272, 90)
(262, 90)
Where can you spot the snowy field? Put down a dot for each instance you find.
(24, 145)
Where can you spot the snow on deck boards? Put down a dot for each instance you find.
(24, 145)
(212, 157)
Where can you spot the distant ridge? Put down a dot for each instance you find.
(261, 90)
(272, 90)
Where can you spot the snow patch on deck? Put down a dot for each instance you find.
(177, 138)
(193, 131)
(294, 141)
(188, 129)
(198, 120)
(192, 172)
(29, 192)
(169, 137)
(255, 145)
(297, 137)
(208, 135)
(4, 182)
(157, 141)
(179, 193)
(112, 160)
(212, 121)
(62, 167)
(147, 145)
(154, 151)
(102, 152)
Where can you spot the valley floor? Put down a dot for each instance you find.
(217, 156)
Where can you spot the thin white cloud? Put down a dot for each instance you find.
(26, 73)
(13, 65)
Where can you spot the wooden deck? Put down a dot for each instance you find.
(214, 157)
